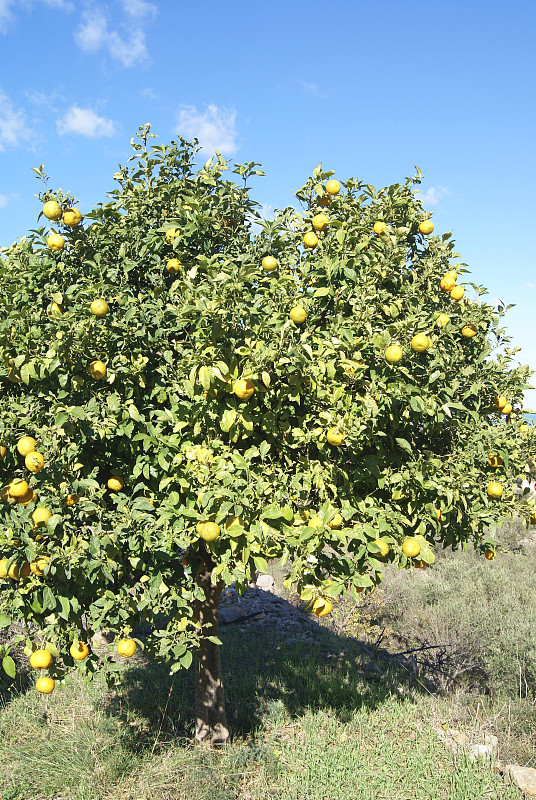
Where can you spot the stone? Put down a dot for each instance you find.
(480, 751)
(523, 777)
(266, 583)
(231, 613)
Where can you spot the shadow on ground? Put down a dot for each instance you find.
(266, 676)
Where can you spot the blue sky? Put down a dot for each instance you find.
(368, 89)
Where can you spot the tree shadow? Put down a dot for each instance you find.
(269, 672)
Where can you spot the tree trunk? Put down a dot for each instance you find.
(210, 717)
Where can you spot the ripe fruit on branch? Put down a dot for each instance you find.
(126, 647)
(335, 436)
(173, 266)
(54, 309)
(72, 217)
(322, 606)
(38, 566)
(269, 263)
(172, 234)
(80, 650)
(500, 402)
(384, 547)
(333, 187)
(298, 314)
(506, 409)
(426, 227)
(468, 331)
(379, 227)
(34, 461)
(41, 659)
(115, 483)
(243, 389)
(208, 530)
(40, 517)
(310, 240)
(97, 370)
(495, 490)
(52, 210)
(99, 307)
(442, 320)
(411, 547)
(457, 293)
(420, 343)
(26, 445)
(18, 488)
(56, 242)
(393, 353)
(320, 222)
(45, 685)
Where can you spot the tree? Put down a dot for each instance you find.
(301, 388)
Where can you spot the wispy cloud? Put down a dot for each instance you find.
(528, 286)
(8, 8)
(435, 194)
(215, 127)
(311, 88)
(14, 127)
(85, 122)
(5, 14)
(3, 200)
(126, 44)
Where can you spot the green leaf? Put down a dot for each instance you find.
(5, 621)
(261, 564)
(9, 667)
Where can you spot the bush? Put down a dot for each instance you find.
(470, 620)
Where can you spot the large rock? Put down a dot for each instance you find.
(523, 777)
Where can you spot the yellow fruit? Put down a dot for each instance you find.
(524, 428)
(384, 547)
(269, 263)
(333, 187)
(500, 402)
(172, 234)
(52, 210)
(208, 530)
(320, 222)
(53, 309)
(507, 409)
(325, 200)
(335, 436)
(468, 331)
(18, 488)
(38, 566)
(495, 490)
(315, 522)
(26, 445)
(29, 497)
(298, 314)
(310, 240)
(97, 370)
(448, 281)
(41, 516)
(393, 353)
(420, 343)
(426, 227)
(494, 461)
(437, 514)
(115, 483)
(411, 547)
(243, 389)
(457, 293)
(490, 554)
(56, 242)
(173, 265)
(80, 650)
(17, 572)
(3, 568)
(322, 606)
(34, 461)
(99, 307)
(45, 685)
(72, 499)
(3, 452)
(442, 320)
(72, 217)
(379, 227)
(126, 647)
(336, 522)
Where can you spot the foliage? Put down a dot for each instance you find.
(169, 418)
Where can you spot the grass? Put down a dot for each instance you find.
(323, 721)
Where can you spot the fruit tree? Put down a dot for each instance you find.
(188, 390)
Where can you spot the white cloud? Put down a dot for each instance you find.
(215, 128)
(126, 45)
(85, 122)
(3, 200)
(434, 194)
(14, 129)
(5, 14)
(311, 88)
(528, 286)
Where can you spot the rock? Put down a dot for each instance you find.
(483, 751)
(492, 742)
(232, 613)
(523, 777)
(266, 583)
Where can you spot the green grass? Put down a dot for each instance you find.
(318, 722)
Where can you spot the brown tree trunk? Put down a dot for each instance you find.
(210, 716)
